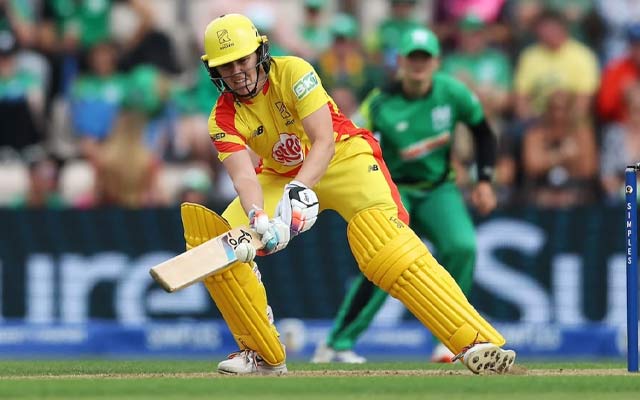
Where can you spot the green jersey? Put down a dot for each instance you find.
(110, 89)
(487, 68)
(416, 134)
(19, 86)
(89, 19)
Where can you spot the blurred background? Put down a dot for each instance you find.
(103, 132)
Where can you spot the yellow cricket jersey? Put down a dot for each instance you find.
(271, 122)
(573, 67)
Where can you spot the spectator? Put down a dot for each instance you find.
(555, 61)
(21, 99)
(618, 76)
(446, 14)
(96, 98)
(127, 172)
(193, 103)
(485, 70)
(522, 16)
(18, 17)
(579, 15)
(621, 146)
(344, 64)
(345, 100)
(196, 186)
(314, 32)
(66, 29)
(560, 156)
(130, 159)
(44, 189)
(384, 43)
(616, 16)
(147, 44)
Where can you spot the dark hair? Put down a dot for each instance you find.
(551, 15)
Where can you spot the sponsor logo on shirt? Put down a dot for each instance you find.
(424, 147)
(305, 85)
(218, 136)
(288, 150)
(441, 117)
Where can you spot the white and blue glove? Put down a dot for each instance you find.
(298, 207)
(275, 238)
(258, 220)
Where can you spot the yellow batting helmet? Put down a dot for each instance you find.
(229, 38)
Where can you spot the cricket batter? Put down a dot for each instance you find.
(313, 158)
(415, 118)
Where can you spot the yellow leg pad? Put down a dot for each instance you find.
(201, 224)
(242, 300)
(237, 291)
(392, 256)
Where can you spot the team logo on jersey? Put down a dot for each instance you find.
(282, 109)
(224, 39)
(305, 85)
(402, 126)
(441, 118)
(288, 150)
(284, 113)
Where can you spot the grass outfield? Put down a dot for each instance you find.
(194, 380)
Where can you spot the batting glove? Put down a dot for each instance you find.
(298, 207)
(275, 238)
(258, 220)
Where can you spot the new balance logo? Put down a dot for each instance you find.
(373, 168)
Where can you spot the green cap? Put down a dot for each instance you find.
(344, 25)
(419, 39)
(471, 22)
(316, 4)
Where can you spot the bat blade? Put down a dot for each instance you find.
(201, 261)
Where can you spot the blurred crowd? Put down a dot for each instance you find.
(105, 102)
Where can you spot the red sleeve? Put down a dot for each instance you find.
(610, 100)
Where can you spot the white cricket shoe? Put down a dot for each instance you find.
(441, 354)
(247, 362)
(325, 354)
(349, 357)
(481, 357)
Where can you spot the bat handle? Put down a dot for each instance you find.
(245, 252)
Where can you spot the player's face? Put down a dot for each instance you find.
(418, 66)
(240, 75)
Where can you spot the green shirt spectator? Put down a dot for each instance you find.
(388, 33)
(344, 64)
(313, 32)
(198, 98)
(86, 20)
(487, 71)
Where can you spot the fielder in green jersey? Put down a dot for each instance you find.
(415, 118)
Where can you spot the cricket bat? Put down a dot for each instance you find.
(201, 261)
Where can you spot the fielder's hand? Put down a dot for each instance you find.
(275, 238)
(483, 198)
(298, 207)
